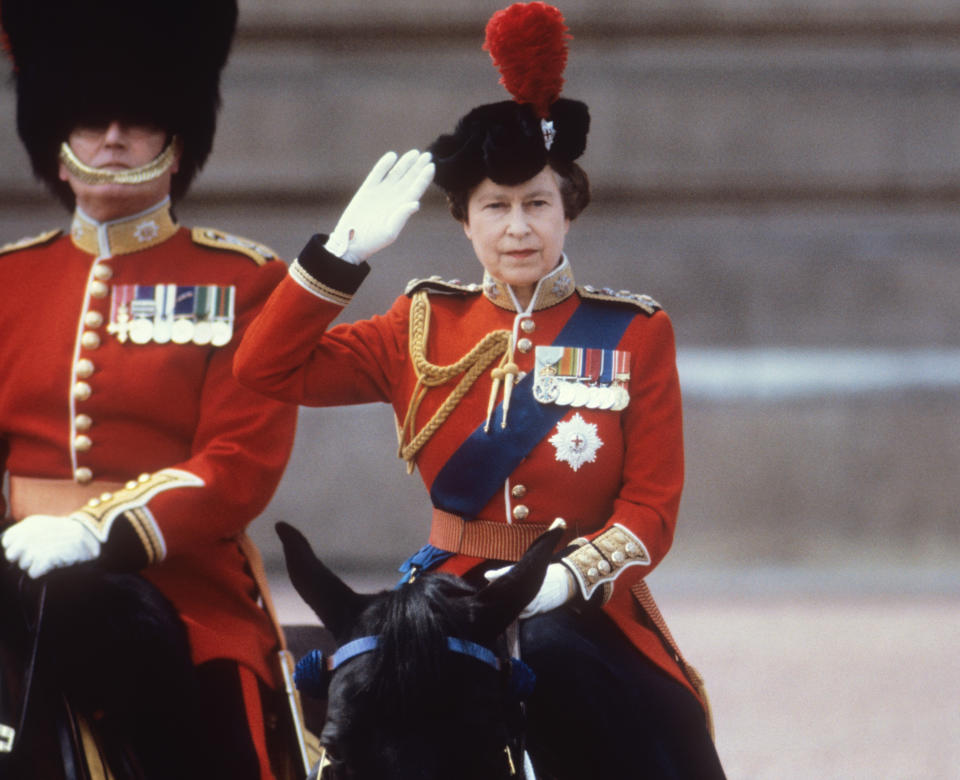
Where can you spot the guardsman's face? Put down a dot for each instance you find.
(117, 146)
(518, 231)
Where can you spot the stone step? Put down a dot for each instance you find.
(310, 100)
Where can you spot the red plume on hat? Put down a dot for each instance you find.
(528, 45)
(511, 141)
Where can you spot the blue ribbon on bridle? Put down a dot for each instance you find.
(312, 673)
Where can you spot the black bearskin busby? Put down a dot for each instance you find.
(155, 62)
(512, 140)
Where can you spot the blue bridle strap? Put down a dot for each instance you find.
(367, 644)
(313, 671)
(472, 649)
(359, 646)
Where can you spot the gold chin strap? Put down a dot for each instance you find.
(471, 365)
(154, 169)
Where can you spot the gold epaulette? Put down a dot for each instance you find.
(645, 303)
(217, 239)
(25, 243)
(436, 284)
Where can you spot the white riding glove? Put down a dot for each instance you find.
(40, 543)
(381, 207)
(557, 589)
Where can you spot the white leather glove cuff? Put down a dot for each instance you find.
(40, 543)
(557, 589)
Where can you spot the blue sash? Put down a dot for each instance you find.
(480, 466)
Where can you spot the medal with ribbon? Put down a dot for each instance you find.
(182, 314)
(582, 377)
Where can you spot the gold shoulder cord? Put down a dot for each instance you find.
(472, 365)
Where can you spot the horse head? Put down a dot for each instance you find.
(420, 686)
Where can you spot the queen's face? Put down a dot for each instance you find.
(518, 231)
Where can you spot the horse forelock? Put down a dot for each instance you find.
(413, 708)
(416, 621)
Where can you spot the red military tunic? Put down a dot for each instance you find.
(596, 468)
(116, 351)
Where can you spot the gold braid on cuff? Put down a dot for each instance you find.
(598, 563)
(154, 169)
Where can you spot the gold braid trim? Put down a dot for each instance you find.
(471, 365)
(154, 169)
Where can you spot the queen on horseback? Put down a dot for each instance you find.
(520, 399)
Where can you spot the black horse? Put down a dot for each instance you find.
(95, 675)
(421, 686)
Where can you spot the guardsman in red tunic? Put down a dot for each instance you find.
(521, 399)
(126, 438)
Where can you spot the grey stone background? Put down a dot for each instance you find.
(784, 178)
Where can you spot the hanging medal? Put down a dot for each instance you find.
(120, 301)
(143, 308)
(546, 387)
(619, 387)
(166, 298)
(184, 313)
(203, 327)
(581, 377)
(222, 327)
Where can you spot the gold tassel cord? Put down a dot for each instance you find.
(471, 365)
(507, 372)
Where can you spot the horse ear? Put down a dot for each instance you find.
(500, 602)
(334, 602)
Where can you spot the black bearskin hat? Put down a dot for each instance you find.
(511, 141)
(154, 62)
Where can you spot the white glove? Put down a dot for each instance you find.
(40, 543)
(381, 207)
(557, 589)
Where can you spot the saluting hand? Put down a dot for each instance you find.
(40, 543)
(381, 207)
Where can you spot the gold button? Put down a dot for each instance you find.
(102, 272)
(93, 319)
(83, 474)
(528, 326)
(82, 391)
(82, 422)
(143, 478)
(82, 442)
(518, 491)
(90, 339)
(524, 345)
(85, 368)
(98, 289)
(131, 484)
(106, 496)
(521, 512)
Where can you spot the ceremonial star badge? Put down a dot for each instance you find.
(576, 441)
